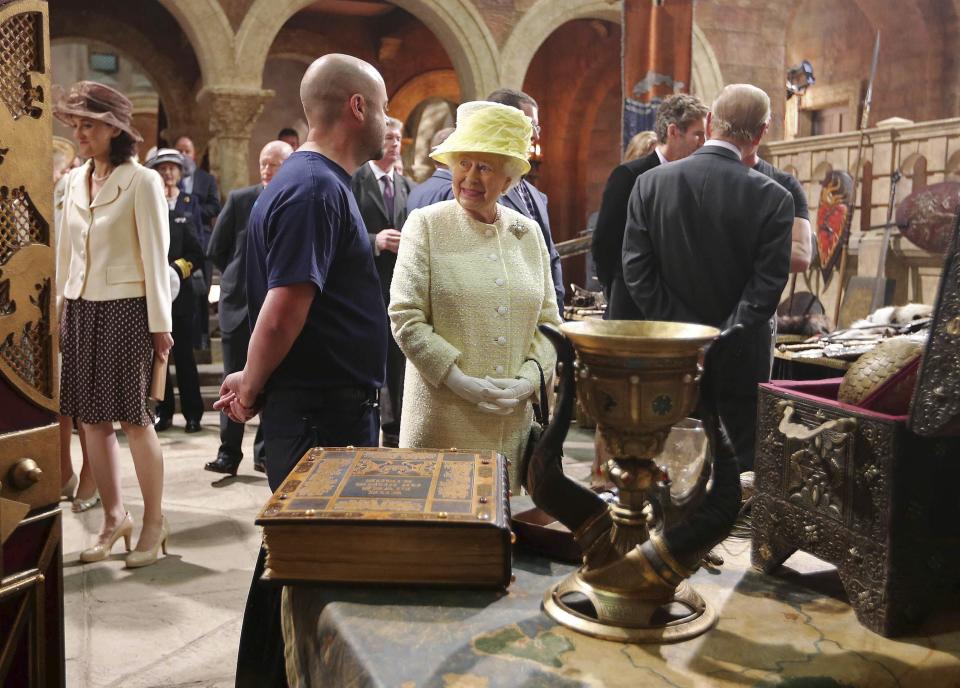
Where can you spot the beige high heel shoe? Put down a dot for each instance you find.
(137, 558)
(101, 550)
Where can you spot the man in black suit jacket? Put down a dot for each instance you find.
(202, 186)
(525, 198)
(228, 251)
(680, 127)
(708, 241)
(382, 198)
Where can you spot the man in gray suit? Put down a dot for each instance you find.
(708, 241)
(381, 195)
(227, 250)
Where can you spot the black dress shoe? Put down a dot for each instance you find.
(259, 466)
(192, 426)
(224, 463)
(161, 423)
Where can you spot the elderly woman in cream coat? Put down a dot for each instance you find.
(471, 285)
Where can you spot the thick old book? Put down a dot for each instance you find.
(391, 516)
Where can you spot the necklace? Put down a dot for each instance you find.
(100, 179)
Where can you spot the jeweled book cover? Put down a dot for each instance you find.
(403, 516)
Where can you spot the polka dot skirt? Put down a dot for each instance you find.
(107, 355)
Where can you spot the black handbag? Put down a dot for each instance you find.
(541, 417)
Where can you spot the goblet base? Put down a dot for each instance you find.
(629, 615)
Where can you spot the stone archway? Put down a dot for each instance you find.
(211, 37)
(174, 91)
(457, 24)
(706, 78)
(439, 83)
(536, 25)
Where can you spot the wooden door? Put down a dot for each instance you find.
(31, 566)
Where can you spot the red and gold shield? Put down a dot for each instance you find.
(833, 220)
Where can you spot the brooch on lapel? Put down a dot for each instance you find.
(186, 198)
(517, 229)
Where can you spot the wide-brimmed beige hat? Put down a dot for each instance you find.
(485, 127)
(95, 101)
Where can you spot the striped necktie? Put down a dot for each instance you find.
(388, 197)
(528, 201)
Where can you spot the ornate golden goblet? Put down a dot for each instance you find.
(636, 379)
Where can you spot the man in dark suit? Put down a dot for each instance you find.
(438, 186)
(228, 251)
(708, 241)
(680, 127)
(202, 186)
(525, 198)
(381, 195)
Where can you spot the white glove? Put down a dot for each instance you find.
(511, 388)
(472, 389)
(508, 395)
(174, 282)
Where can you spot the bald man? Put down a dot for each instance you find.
(707, 241)
(318, 345)
(228, 251)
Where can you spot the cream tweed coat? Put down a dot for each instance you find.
(470, 293)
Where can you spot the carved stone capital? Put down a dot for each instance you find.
(233, 111)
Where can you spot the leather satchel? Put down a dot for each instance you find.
(541, 417)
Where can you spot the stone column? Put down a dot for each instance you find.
(233, 112)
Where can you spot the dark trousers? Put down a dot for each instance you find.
(235, 344)
(188, 381)
(294, 421)
(744, 364)
(738, 416)
(391, 395)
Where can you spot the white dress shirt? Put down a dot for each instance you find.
(724, 144)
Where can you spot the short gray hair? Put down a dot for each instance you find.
(740, 112)
(394, 123)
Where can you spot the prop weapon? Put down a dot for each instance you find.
(864, 120)
(881, 283)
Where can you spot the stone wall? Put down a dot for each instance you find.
(210, 63)
(887, 148)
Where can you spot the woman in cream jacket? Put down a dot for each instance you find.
(113, 293)
(471, 285)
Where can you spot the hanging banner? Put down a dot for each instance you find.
(657, 54)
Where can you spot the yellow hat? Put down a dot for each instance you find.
(485, 127)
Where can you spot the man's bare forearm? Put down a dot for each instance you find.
(278, 325)
(801, 249)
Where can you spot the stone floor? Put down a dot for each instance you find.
(177, 623)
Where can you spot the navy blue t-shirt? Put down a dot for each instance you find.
(306, 227)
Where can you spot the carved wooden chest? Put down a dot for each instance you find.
(876, 495)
